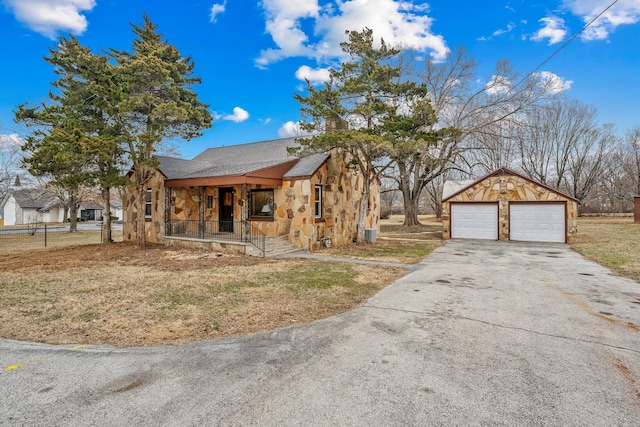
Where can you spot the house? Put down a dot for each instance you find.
(505, 205)
(32, 205)
(93, 209)
(228, 193)
(90, 211)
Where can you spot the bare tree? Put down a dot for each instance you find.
(614, 185)
(495, 147)
(389, 196)
(434, 194)
(632, 148)
(475, 117)
(550, 135)
(10, 161)
(588, 161)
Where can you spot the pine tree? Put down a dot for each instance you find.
(385, 115)
(156, 104)
(75, 136)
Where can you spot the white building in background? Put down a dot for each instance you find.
(28, 206)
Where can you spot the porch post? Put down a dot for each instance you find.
(201, 213)
(244, 213)
(168, 231)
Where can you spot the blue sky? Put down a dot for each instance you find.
(252, 56)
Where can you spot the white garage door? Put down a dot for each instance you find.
(474, 221)
(537, 222)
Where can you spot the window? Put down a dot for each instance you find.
(209, 202)
(317, 207)
(261, 203)
(147, 205)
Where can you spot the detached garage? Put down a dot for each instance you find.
(505, 205)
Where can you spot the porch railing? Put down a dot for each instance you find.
(241, 231)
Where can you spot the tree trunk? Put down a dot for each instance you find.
(106, 219)
(410, 202)
(141, 235)
(73, 212)
(410, 214)
(437, 209)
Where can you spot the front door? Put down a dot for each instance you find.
(226, 209)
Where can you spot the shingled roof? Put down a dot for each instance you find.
(35, 199)
(245, 162)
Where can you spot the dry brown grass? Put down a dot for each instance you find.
(397, 243)
(10, 243)
(613, 242)
(122, 295)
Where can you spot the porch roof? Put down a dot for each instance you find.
(266, 162)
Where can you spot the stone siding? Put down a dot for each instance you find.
(154, 226)
(341, 190)
(506, 188)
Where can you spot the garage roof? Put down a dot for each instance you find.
(502, 172)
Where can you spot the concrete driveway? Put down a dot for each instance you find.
(483, 333)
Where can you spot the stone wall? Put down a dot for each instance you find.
(154, 226)
(505, 188)
(185, 203)
(294, 206)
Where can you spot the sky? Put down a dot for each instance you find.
(253, 56)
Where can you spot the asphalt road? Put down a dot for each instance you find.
(483, 334)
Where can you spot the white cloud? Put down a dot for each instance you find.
(284, 25)
(47, 17)
(510, 27)
(624, 12)
(305, 29)
(315, 76)
(10, 142)
(553, 83)
(554, 30)
(217, 9)
(498, 85)
(239, 115)
(501, 31)
(290, 129)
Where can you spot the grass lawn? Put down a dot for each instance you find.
(613, 242)
(30, 238)
(122, 295)
(396, 243)
(126, 296)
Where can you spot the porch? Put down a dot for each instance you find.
(226, 235)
